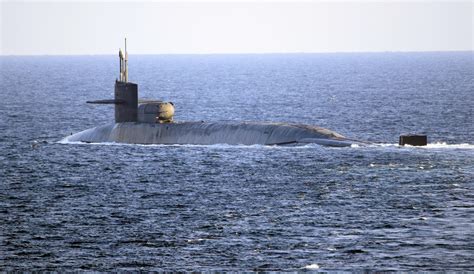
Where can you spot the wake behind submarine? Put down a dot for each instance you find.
(151, 122)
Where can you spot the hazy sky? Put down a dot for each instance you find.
(36, 27)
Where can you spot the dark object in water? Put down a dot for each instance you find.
(413, 140)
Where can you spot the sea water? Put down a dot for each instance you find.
(70, 206)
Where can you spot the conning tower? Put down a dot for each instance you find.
(126, 94)
(126, 101)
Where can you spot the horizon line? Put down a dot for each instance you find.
(242, 53)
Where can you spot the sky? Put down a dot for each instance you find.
(170, 27)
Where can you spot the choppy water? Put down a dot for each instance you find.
(105, 207)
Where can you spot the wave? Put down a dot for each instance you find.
(445, 145)
(226, 146)
(438, 145)
(311, 267)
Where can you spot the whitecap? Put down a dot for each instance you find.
(437, 145)
(311, 266)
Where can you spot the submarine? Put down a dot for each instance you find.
(151, 122)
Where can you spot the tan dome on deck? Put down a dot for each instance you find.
(156, 112)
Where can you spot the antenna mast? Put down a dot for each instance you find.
(126, 62)
(123, 64)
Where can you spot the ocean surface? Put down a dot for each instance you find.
(110, 207)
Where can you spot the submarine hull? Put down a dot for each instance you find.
(209, 133)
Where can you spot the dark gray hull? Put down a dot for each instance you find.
(209, 133)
